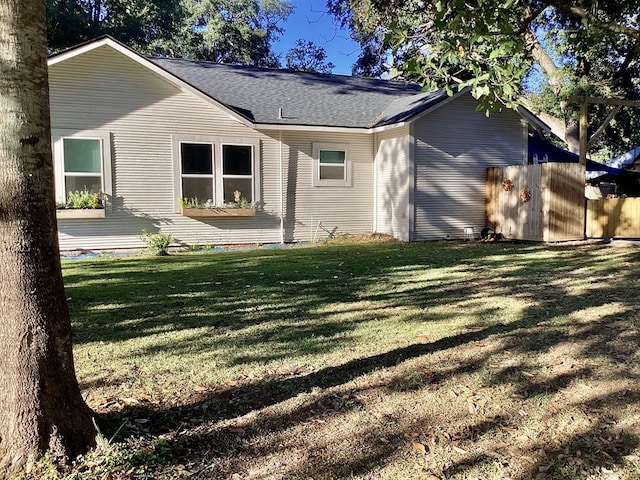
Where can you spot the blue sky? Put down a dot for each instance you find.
(310, 22)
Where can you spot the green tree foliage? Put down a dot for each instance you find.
(239, 31)
(308, 57)
(140, 24)
(229, 31)
(579, 46)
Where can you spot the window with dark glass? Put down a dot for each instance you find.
(196, 161)
(237, 173)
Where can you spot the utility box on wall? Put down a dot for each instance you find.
(542, 202)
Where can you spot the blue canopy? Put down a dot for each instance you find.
(544, 149)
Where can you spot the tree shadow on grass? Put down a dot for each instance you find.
(246, 427)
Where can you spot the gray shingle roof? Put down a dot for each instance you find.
(309, 99)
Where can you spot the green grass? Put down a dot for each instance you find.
(503, 360)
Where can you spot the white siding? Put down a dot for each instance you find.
(393, 183)
(104, 90)
(453, 147)
(340, 209)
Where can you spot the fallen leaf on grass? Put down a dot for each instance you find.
(473, 410)
(419, 448)
(460, 450)
(528, 459)
(237, 430)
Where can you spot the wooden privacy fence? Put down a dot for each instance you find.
(613, 218)
(542, 202)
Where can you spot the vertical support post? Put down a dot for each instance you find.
(584, 126)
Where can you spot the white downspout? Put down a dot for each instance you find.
(375, 182)
(281, 188)
(525, 141)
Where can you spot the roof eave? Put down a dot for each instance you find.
(327, 129)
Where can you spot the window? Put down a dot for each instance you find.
(196, 171)
(237, 173)
(331, 165)
(82, 162)
(216, 169)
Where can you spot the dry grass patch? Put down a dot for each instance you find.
(377, 360)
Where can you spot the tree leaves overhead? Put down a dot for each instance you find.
(240, 31)
(230, 31)
(134, 22)
(308, 57)
(491, 46)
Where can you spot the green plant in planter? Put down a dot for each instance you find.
(157, 243)
(189, 202)
(83, 199)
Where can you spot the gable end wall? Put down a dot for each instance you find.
(104, 90)
(454, 146)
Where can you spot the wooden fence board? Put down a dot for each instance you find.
(555, 208)
(613, 218)
(565, 203)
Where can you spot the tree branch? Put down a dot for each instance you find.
(580, 12)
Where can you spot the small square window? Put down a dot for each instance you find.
(331, 165)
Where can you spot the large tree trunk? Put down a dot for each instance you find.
(41, 407)
(567, 131)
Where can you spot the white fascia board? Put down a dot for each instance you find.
(440, 104)
(172, 79)
(533, 120)
(319, 128)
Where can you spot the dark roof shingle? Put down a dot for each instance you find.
(310, 99)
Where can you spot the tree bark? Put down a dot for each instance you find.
(41, 407)
(569, 132)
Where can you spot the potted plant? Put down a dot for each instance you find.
(192, 207)
(81, 204)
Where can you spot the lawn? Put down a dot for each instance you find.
(375, 360)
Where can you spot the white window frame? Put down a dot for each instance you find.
(218, 186)
(222, 175)
(211, 175)
(334, 147)
(57, 141)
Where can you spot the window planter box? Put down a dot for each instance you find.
(218, 212)
(77, 213)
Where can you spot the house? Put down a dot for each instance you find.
(311, 152)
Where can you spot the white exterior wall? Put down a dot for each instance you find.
(393, 183)
(340, 209)
(454, 145)
(104, 90)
